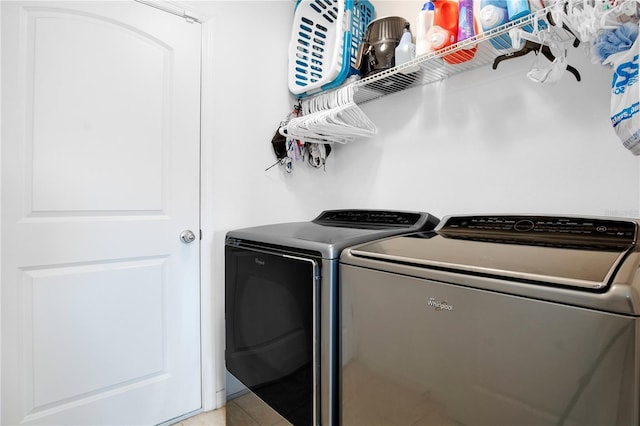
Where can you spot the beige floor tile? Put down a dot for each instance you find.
(259, 410)
(237, 416)
(282, 422)
(209, 418)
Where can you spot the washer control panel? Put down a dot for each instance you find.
(543, 229)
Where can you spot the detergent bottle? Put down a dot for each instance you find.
(521, 8)
(494, 13)
(425, 22)
(444, 31)
(465, 20)
(518, 9)
(466, 29)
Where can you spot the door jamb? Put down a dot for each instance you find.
(211, 299)
(0, 215)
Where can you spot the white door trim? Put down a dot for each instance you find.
(167, 6)
(1, 196)
(212, 307)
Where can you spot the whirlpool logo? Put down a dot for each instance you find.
(439, 306)
(259, 261)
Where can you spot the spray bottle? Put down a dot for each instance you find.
(405, 51)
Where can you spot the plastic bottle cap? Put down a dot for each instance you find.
(438, 38)
(492, 16)
(427, 6)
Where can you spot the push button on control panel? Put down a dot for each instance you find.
(524, 225)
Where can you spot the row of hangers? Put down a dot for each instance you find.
(588, 18)
(570, 23)
(332, 117)
(548, 40)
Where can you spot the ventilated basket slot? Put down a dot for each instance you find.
(363, 13)
(312, 40)
(321, 44)
(326, 8)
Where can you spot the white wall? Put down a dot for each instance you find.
(483, 141)
(493, 141)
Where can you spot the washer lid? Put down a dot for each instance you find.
(576, 252)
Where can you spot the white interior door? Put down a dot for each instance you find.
(100, 175)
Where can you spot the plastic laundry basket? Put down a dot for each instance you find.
(361, 16)
(324, 41)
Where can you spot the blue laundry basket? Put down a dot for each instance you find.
(324, 42)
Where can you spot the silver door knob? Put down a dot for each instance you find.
(187, 236)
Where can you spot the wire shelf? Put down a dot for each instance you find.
(469, 54)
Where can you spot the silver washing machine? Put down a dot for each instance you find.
(493, 320)
(281, 290)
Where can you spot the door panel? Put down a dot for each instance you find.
(73, 103)
(123, 335)
(100, 174)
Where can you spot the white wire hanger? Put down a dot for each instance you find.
(333, 117)
(587, 18)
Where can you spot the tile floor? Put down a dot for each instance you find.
(247, 410)
(209, 418)
(370, 399)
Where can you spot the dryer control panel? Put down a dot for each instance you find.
(374, 219)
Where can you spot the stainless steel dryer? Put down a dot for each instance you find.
(493, 320)
(281, 308)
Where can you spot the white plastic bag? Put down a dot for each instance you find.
(625, 97)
